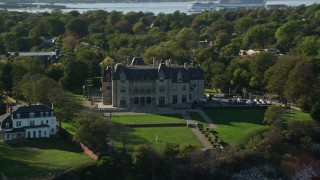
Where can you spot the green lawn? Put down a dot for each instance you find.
(178, 135)
(149, 118)
(39, 157)
(69, 126)
(197, 117)
(292, 114)
(235, 126)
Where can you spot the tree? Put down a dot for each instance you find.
(315, 112)
(187, 38)
(75, 74)
(301, 85)
(92, 130)
(243, 24)
(259, 64)
(287, 35)
(273, 115)
(78, 26)
(276, 76)
(144, 159)
(257, 36)
(310, 46)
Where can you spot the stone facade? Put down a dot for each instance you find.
(139, 85)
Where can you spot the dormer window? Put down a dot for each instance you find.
(179, 77)
(161, 76)
(108, 77)
(47, 114)
(7, 125)
(52, 113)
(18, 116)
(31, 115)
(41, 114)
(123, 77)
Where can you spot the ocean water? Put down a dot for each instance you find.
(156, 7)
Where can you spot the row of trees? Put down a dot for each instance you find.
(86, 39)
(287, 149)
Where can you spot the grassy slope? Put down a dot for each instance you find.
(197, 117)
(69, 126)
(236, 125)
(178, 135)
(39, 157)
(149, 118)
(292, 114)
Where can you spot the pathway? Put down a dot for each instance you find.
(206, 144)
(205, 117)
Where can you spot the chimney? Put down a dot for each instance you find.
(169, 63)
(185, 65)
(9, 109)
(154, 61)
(128, 60)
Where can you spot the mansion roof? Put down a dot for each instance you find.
(39, 110)
(23, 112)
(144, 72)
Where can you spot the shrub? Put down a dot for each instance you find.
(315, 112)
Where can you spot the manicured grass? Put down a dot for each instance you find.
(148, 118)
(178, 135)
(292, 114)
(210, 91)
(235, 126)
(69, 126)
(197, 117)
(39, 157)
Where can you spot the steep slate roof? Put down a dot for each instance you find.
(36, 109)
(137, 61)
(5, 118)
(106, 72)
(150, 72)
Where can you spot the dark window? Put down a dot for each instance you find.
(175, 99)
(161, 89)
(123, 102)
(142, 101)
(136, 100)
(184, 98)
(123, 89)
(148, 89)
(161, 100)
(148, 100)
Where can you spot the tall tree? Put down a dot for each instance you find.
(92, 130)
(276, 76)
(300, 85)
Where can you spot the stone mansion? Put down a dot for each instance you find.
(162, 84)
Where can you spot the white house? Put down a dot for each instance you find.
(31, 121)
